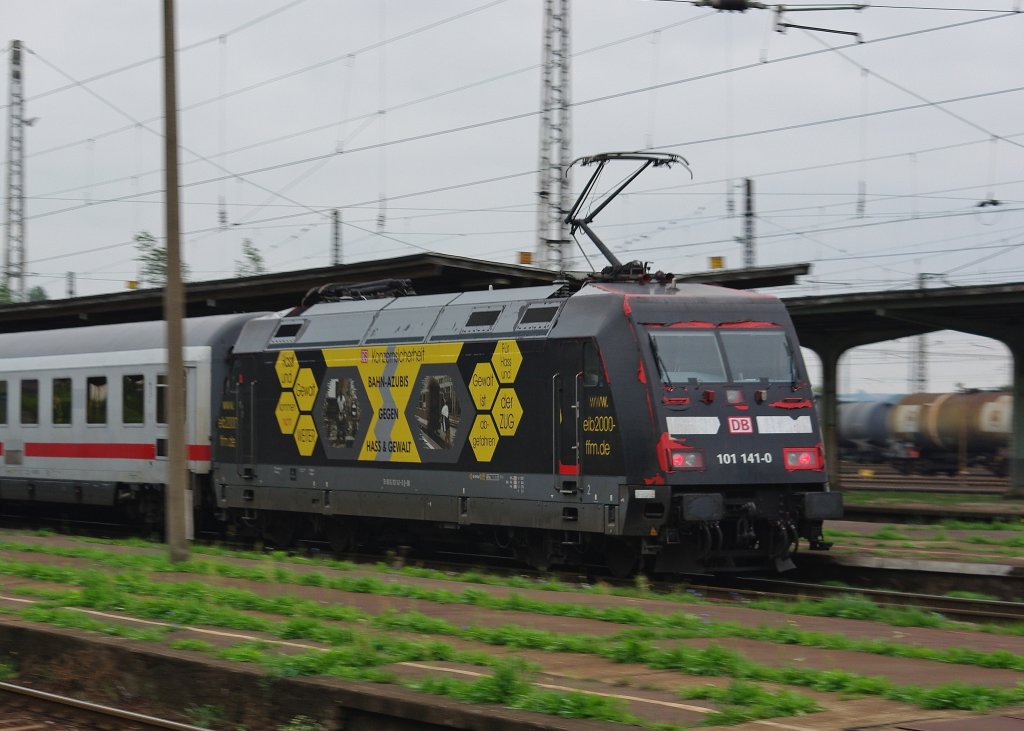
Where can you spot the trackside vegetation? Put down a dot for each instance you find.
(337, 640)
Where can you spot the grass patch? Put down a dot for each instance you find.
(888, 533)
(944, 499)
(192, 645)
(511, 686)
(360, 655)
(302, 723)
(204, 716)
(1001, 524)
(971, 595)
(742, 701)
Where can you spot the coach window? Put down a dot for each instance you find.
(61, 400)
(3, 403)
(96, 400)
(30, 401)
(133, 399)
(161, 399)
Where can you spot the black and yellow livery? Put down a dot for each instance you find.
(617, 422)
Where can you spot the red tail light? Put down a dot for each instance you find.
(803, 458)
(685, 459)
(675, 456)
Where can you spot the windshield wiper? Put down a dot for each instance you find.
(662, 368)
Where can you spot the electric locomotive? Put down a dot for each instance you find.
(616, 421)
(623, 418)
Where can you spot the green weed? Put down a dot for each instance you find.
(742, 701)
(302, 723)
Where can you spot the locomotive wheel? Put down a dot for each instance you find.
(279, 528)
(537, 551)
(339, 535)
(621, 557)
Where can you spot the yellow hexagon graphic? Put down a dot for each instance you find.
(305, 389)
(483, 437)
(287, 412)
(483, 385)
(507, 412)
(506, 360)
(287, 367)
(305, 435)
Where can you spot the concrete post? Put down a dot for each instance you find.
(829, 412)
(178, 497)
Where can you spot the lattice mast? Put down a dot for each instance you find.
(14, 238)
(555, 144)
(919, 361)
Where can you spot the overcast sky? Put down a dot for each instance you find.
(420, 122)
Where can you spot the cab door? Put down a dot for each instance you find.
(245, 408)
(566, 392)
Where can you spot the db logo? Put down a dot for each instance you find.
(741, 425)
(364, 355)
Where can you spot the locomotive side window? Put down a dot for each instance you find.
(483, 318)
(755, 355)
(685, 354)
(96, 400)
(287, 330)
(161, 399)
(61, 401)
(30, 401)
(133, 399)
(593, 373)
(3, 403)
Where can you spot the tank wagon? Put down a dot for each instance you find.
(943, 432)
(930, 433)
(864, 432)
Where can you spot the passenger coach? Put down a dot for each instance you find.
(82, 412)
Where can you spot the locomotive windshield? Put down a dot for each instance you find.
(723, 356)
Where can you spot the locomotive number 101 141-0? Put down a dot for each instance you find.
(745, 458)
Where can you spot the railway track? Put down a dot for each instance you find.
(30, 709)
(963, 609)
(920, 585)
(871, 477)
(907, 585)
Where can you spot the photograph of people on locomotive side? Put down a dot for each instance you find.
(83, 415)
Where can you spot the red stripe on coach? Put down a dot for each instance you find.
(199, 453)
(73, 450)
(77, 450)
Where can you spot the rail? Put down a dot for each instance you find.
(44, 702)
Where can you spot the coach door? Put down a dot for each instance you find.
(162, 415)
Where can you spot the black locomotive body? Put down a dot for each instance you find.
(630, 424)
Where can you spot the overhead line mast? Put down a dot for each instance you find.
(14, 240)
(555, 139)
